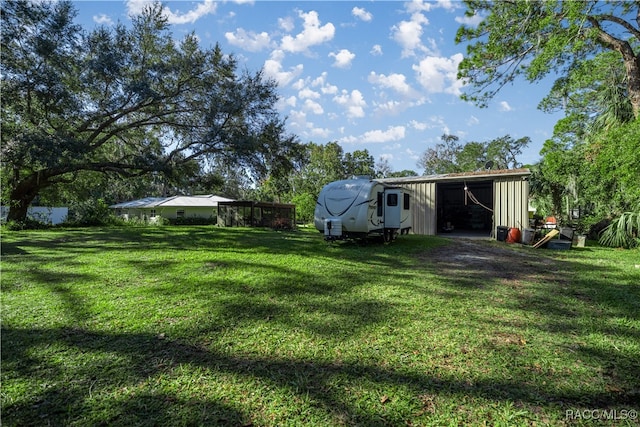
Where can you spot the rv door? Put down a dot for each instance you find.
(392, 208)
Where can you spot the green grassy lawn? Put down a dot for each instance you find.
(208, 326)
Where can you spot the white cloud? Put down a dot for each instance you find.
(408, 34)
(393, 107)
(361, 13)
(438, 122)
(422, 6)
(353, 102)
(418, 6)
(206, 7)
(325, 87)
(390, 107)
(306, 93)
(376, 50)
(320, 132)
(439, 74)
(418, 125)
(136, 7)
(414, 155)
(504, 106)
(471, 21)
(102, 19)
(393, 133)
(286, 24)
(299, 123)
(289, 102)
(397, 82)
(250, 41)
(273, 68)
(473, 120)
(300, 84)
(297, 120)
(343, 58)
(312, 34)
(329, 89)
(312, 106)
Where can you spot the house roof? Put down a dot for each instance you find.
(209, 200)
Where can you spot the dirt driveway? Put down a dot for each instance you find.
(479, 260)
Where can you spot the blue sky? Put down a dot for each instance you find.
(370, 75)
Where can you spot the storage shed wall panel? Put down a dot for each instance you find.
(510, 205)
(423, 207)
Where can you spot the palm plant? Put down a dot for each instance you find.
(623, 232)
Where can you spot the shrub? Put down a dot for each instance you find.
(194, 221)
(91, 213)
(623, 232)
(27, 224)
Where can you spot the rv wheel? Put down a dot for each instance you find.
(389, 235)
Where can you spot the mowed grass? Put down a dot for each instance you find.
(248, 327)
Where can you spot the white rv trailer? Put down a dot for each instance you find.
(359, 207)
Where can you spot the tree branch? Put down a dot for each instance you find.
(616, 19)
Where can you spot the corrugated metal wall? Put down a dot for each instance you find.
(510, 198)
(423, 207)
(511, 202)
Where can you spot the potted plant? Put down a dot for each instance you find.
(580, 234)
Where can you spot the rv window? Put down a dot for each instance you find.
(406, 201)
(180, 213)
(392, 199)
(380, 203)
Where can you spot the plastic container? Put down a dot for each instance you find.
(514, 235)
(566, 233)
(558, 244)
(528, 235)
(501, 233)
(579, 240)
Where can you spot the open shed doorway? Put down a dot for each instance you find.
(459, 214)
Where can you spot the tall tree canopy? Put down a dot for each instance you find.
(125, 101)
(450, 156)
(535, 38)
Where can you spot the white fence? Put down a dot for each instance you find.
(41, 213)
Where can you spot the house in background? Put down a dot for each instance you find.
(172, 208)
(214, 209)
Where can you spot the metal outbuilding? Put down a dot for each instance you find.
(472, 202)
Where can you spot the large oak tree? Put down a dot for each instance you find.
(535, 38)
(126, 100)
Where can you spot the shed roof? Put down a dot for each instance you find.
(209, 200)
(478, 175)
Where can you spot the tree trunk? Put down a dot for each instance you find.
(632, 66)
(22, 195)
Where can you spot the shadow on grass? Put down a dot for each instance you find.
(87, 240)
(62, 403)
(586, 306)
(555, 301)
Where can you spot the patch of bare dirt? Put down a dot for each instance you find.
(479, 260)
